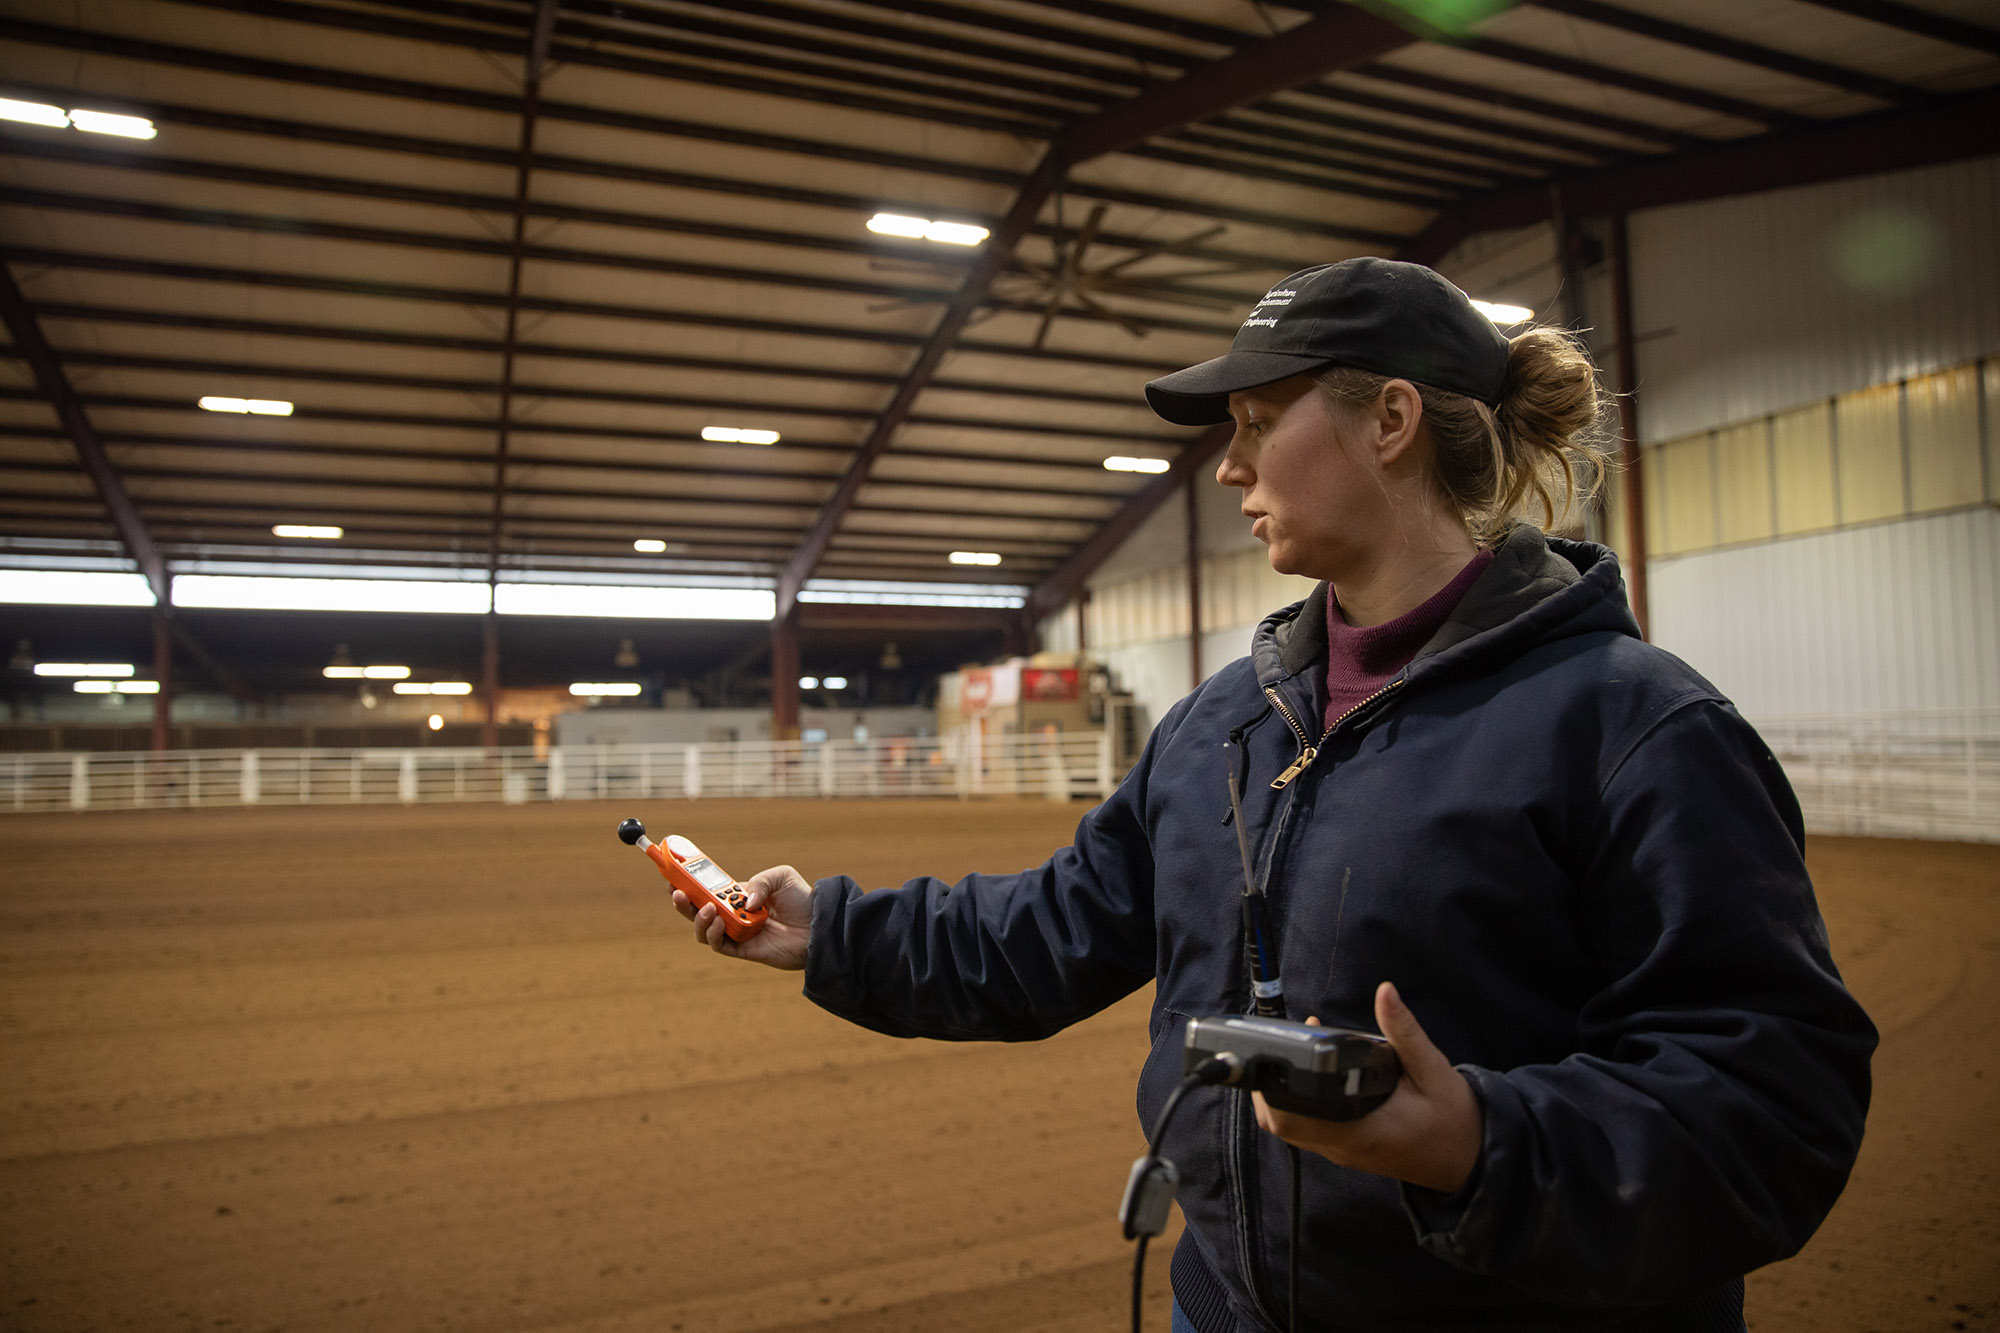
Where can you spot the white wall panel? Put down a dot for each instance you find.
(1894, 616)
(1756, 304)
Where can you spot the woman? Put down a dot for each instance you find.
(1550, 862)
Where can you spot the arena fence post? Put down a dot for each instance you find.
(406, 779)
(247, 779)
(79, 782)
(691, 774)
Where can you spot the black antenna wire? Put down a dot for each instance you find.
(1267, 989)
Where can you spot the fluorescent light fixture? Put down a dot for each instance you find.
(33, 113)
(106, 122)
(635, 603)
(435, 687)
(883, 592)
(263, 407)
(974, 557)
(407, 687)
(71, 587)
(1120, 464)
(385, 673)
(136, 686)
(436, 723)
(882, 224)
(604, 689)
(955, 233)
(808, 682)
(83, 668)
(946, 233)
(834, 682)
(309, 531)
(342, 672)
(256, 592)
(738, 435)
(1503, 315)
(93, 687)
(649, 545)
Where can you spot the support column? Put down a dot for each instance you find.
(163, 671)
(785, 677)
(1193, 578)
(490, 682)
(1631, 480)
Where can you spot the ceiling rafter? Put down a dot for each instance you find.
(1951, 130)
(1253, 71)
(1733, 48)
(28, 343)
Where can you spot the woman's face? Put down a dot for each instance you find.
(1312, 488)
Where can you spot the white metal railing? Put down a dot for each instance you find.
(1914, 775)
(1933, 774)
(1058, 766)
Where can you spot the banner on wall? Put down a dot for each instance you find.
(1050, 685)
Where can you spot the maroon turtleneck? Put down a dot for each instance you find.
(1361, 661)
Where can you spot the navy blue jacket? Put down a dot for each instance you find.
(1582, 869)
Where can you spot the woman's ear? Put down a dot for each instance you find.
(1398, 412)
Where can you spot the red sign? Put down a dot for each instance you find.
(1049, 685)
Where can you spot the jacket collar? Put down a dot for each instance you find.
(1536, 588)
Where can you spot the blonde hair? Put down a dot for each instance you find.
(1542, 448)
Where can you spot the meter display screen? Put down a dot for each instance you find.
(707, 874)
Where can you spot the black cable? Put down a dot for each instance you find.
(1215, 1069)
(1292, 1259)
(1139, 1284)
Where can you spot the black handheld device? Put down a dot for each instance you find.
(1332, 1073)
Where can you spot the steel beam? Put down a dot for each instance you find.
(1068, 579)
(26, 332)
(1964, 127)
(1314, 48)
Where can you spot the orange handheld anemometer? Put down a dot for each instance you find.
(702, 880)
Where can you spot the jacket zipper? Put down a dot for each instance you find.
(1307, 750)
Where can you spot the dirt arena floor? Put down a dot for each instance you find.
(462, 1068)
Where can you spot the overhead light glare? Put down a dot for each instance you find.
(1503, 315)
(254, 592)
(106, 122)
(33, 113)
(604, 689)
(343, 672)
(975, 557)
(650, 545)
(954, 233)
(309, 531)
(74, 587)
(93, 686)
(923, 229)
(1121, 464)
(136, 686)
(386, 672)
(434, 687)
(834, 682)
(263, 407)
(808, 682)
(436, 722)
(83, 668)
(738, 435)
(635, 603)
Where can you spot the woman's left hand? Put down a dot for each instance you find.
(1428, 1132)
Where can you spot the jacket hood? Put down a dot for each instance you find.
(1538, 589)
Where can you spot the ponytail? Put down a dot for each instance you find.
(1539, 452)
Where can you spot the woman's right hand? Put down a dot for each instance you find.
(782, 942)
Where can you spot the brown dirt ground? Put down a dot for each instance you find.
(462, 1068)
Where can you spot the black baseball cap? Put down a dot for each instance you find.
(1380, 315)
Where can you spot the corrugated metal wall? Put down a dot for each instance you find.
(1883, 618)
(1745, 307)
